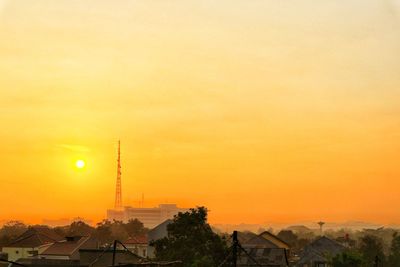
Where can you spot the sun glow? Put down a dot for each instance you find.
(80, 164)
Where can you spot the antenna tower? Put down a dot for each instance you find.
(118, 189)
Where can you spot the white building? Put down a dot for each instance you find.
(150, 217)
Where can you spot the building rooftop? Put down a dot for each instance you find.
(66, 247)
(137, 240)
(35, 237)
(320, 250)
(265, 240)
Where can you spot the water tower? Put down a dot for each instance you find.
(320, 226)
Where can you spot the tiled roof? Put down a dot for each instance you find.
(142, 239)
(265, 256)
(260, 242)
(65, 247)
(321, 249)
(35, 237)
(274, 239)
(265, 240)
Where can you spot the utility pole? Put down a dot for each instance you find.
(235, 248)
(377, 261)
(114, 251)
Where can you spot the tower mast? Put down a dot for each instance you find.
(118, 189)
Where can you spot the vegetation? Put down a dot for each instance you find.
(371, 249)
(348, 259)
(394, 257)
(191, 239)
(10, 231)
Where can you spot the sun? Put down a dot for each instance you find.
(80, 164)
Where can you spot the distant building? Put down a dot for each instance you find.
(68, 249)
(319, 252)
(31, 243)
(150, 217)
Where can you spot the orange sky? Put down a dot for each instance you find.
(260, 110)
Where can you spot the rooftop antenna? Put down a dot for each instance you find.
(142, 200)
(320, 226)
(118, 189)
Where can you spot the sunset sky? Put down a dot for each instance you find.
(261, 110)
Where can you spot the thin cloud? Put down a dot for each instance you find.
(75, 148)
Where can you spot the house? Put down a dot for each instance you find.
(158, 232)
(31, 243)
(319, 252)
(265, 248)
(68, 249)
(137, 245)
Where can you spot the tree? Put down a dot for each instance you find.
(371, 249)
(289, 237)
(103, 232)
(394, 257)
(191, 239)
(80, 228)
(348, 259)
(118, 231)
(135, 228)
(10, 231)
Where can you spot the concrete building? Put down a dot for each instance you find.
(150, 217)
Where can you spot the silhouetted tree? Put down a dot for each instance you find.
(394, 257)
(10, 231)
(289, 237)
(103, 232)
(348, 259)
(61, 230)
(371, 249)
(135, 228)
(191, 240)
(118, 231)
(80, 228)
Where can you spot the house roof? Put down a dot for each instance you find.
(320, 249)
(35, 237)
(259, 242)
(66, 247)
(326, 245)
(274, 239)
(265, 256)
(141, 239)
(243, 237)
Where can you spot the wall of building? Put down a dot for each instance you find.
(150, 217)
(18, 253)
